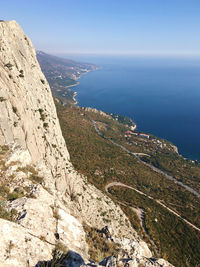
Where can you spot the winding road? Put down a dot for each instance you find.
(188, 188)
(156, 200)
(169, 177)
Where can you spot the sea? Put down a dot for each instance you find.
(161, 95)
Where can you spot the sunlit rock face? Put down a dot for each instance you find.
(28, 115)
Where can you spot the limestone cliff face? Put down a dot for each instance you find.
(28, 116)
(53, 200)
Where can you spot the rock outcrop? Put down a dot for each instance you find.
(45, 199)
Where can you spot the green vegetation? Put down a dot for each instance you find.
(42, 114)
(99, 246)
(45, 125)
(123, 119)
(6, 194)
(180, 168)
(7, 215)
(14, 195)
(63, 82)
(175, 239)
(102, 162)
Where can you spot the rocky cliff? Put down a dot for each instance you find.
(46, 206)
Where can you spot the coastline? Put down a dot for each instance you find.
(75, 102)
(72, 85)
(132, 127)
(74, 98)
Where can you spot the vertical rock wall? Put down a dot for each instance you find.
(28, 117)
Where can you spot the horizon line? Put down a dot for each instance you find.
(135, 53)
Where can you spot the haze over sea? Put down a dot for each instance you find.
(162, 95)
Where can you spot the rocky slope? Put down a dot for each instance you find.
(44, 201)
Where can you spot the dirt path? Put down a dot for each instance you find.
(158, 201)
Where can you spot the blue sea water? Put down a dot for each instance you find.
(161, 95)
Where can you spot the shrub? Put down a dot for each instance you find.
(6, 215)
(36, 178)
(42, 114)
(45, 125)
(99, 246)
(12, 196)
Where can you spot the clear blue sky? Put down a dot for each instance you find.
(109, 26)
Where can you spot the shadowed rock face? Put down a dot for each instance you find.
(57, 200)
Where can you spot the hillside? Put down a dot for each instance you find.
(50, 215)
(161, 199)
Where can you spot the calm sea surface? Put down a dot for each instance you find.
(161, 95)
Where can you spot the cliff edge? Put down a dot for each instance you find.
(46, 207)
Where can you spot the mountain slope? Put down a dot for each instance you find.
(47, 208)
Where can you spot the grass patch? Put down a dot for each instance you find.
(7, 215)
(12, 196)
(99, 246)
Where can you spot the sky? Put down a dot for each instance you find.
(110, 27)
